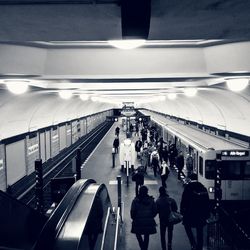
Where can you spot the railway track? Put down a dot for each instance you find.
(62, 167)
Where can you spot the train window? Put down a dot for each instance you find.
(210, 168)
(201, 166)
(231, 170)
(247, 170)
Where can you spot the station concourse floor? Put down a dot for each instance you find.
(98, 166)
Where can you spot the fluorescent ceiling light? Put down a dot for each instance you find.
(161, 98)
(84, 97)
(171, 96)
(17, 87)
(94, 98)
(127, 44)
(190, 92)
(65, 94)
(237, 84)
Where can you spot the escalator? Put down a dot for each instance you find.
(84, 219)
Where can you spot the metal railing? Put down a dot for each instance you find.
(117, 226)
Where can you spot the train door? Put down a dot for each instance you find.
(195, 161)
(48, 144)
(62, 137)
(246, 181)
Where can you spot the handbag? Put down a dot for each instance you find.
(174, 217)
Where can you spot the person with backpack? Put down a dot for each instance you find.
(142, 212)
(154, 161)
(165, 205)
(138, 177)
(164, 173)
(195, 210)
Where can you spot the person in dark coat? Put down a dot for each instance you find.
(138, 177)
(195, 210)
(116, 144)
(165, 205)
(161, 148)
(143, 210)
(138, 145)
(117, 131)
(172, 154)
(180, 164)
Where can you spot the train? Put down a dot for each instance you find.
(210, 152)
(18, 153)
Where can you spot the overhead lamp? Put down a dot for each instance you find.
(94, 98)
(17, 87)
(190, 92)
(127, 44)
(237, 84)
(171, 96)
(65, 94)
(161, 98)
(84, 97)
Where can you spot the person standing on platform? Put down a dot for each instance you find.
(165, 154)
(117, 131)
(154, 161)
(138, 177)
(195, 210)
(116, 144)
(145, 159)
(172, 154)
(180, 164)
(142, 212)
(138, 145)
(160, 148)
(165, 205)
(164, 173)
(137, 129)
(189, 165)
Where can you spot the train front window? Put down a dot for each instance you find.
(210, 169)
(231, 170)
(247, 170)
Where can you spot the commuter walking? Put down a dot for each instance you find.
(138, 145)
(116, 144)
(117, 131)
(138, 177)
(143, 210)
(195, 210)
(154, 161)
(165, 154)
(172, 154)
(165, 205)
(164, 173)
(161, 148)
(145, 159)
(180, 164)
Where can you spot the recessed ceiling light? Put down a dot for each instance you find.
(65, 94)
(84, 97)
(237, 84)
(171, 96)
(190, 92)
(127, 44)
(17, 87)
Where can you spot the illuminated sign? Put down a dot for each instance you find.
(234, 153)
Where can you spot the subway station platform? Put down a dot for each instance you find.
(99, 167)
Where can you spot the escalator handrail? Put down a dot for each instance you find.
(105, 228)
(58, 217)
(118, 218)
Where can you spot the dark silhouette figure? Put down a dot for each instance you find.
(195, 210)
(180, 164)
(116, 144)
(117, 131)
(165, 205)
(143, 210)
(138, 145)
(164, 173)
(138, 178)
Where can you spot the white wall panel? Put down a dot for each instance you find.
(62, 138)
(48, 144)
(2, 169)
(68, 136)
(15, 161)
(54, 142)
(32, 153)
(42, 146)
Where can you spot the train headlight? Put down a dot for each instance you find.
(211, 189)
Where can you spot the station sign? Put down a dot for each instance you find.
(235, 153)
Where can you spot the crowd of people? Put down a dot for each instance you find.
(153, 152)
